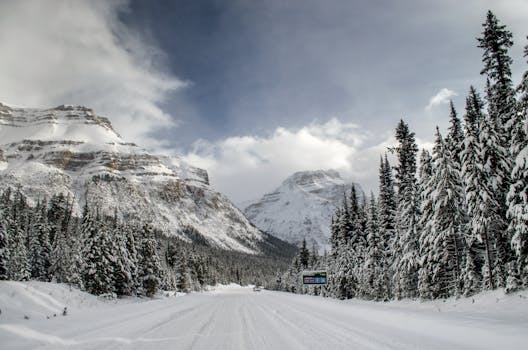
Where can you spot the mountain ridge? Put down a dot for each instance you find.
(71, 150)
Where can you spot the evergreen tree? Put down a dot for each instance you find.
(470, 277)
(40, 247)
(57, 215)
(376, 277)
(426, 287)
(495, 42)
(182, 276)
(455, 140)
(504, 134)
(472, 176)
(19, 267)
(345, 283)
(518, 199)
(444, 255)
(334, 234)
(387, 215)
(406, 245)
(522, 113)
(4, 251)
(495, 162)
(121, 262)
(344, 224)
(150, 263)
(60, 256)
(304, 255)
(98, 269)
(76, 268)
(484, 210)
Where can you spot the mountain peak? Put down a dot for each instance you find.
(306, 176)
(311, 180)
(301, 207)
(65, 122)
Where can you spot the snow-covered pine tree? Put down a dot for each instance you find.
(355, 246)
(33, 244)
(360, 226)
(471, 278)
(183, 279)
(304, 255)
(58, 206)
(518, 197)
(495, 41)
(472, 175)
(342, 256)
(344, 224)
(98, 272)
(6, 220)
(360, 248)
(455, 145)
(41, 248)
(150, 263)
(60, 256)
(495, 165)
(485, 219)
(426, 287)
(19, 267)
(522, 111)
(346, 280)
(132, 247)
(387, 215)
(334, 238)
(448, 220)
(331, 258)
(455, 139)
(121, 262)
(406, 268)
(76, 268)
(508, 131)
(376, 278)
(4, 250)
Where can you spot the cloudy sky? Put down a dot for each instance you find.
(254, 90)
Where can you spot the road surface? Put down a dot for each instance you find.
(238, 318)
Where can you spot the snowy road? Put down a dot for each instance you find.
(238, 318)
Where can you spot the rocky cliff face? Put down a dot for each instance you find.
(301, 207)
(70, 149)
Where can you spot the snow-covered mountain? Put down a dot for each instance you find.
(70, 149)
(301, 207)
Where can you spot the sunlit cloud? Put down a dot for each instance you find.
(442, 97)
(245, 167)
(79, 52)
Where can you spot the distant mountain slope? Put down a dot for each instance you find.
(70, 149)
(301, 207)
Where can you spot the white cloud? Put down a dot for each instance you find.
(78, 52)
(244, 167)
(442, 97)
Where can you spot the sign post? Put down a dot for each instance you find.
(314, 277)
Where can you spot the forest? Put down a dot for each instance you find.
(103, 255)
(453, 222)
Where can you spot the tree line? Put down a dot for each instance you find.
(104, 255)
(453, 222)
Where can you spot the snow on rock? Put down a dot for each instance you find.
(301, 207)
(71, 150)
